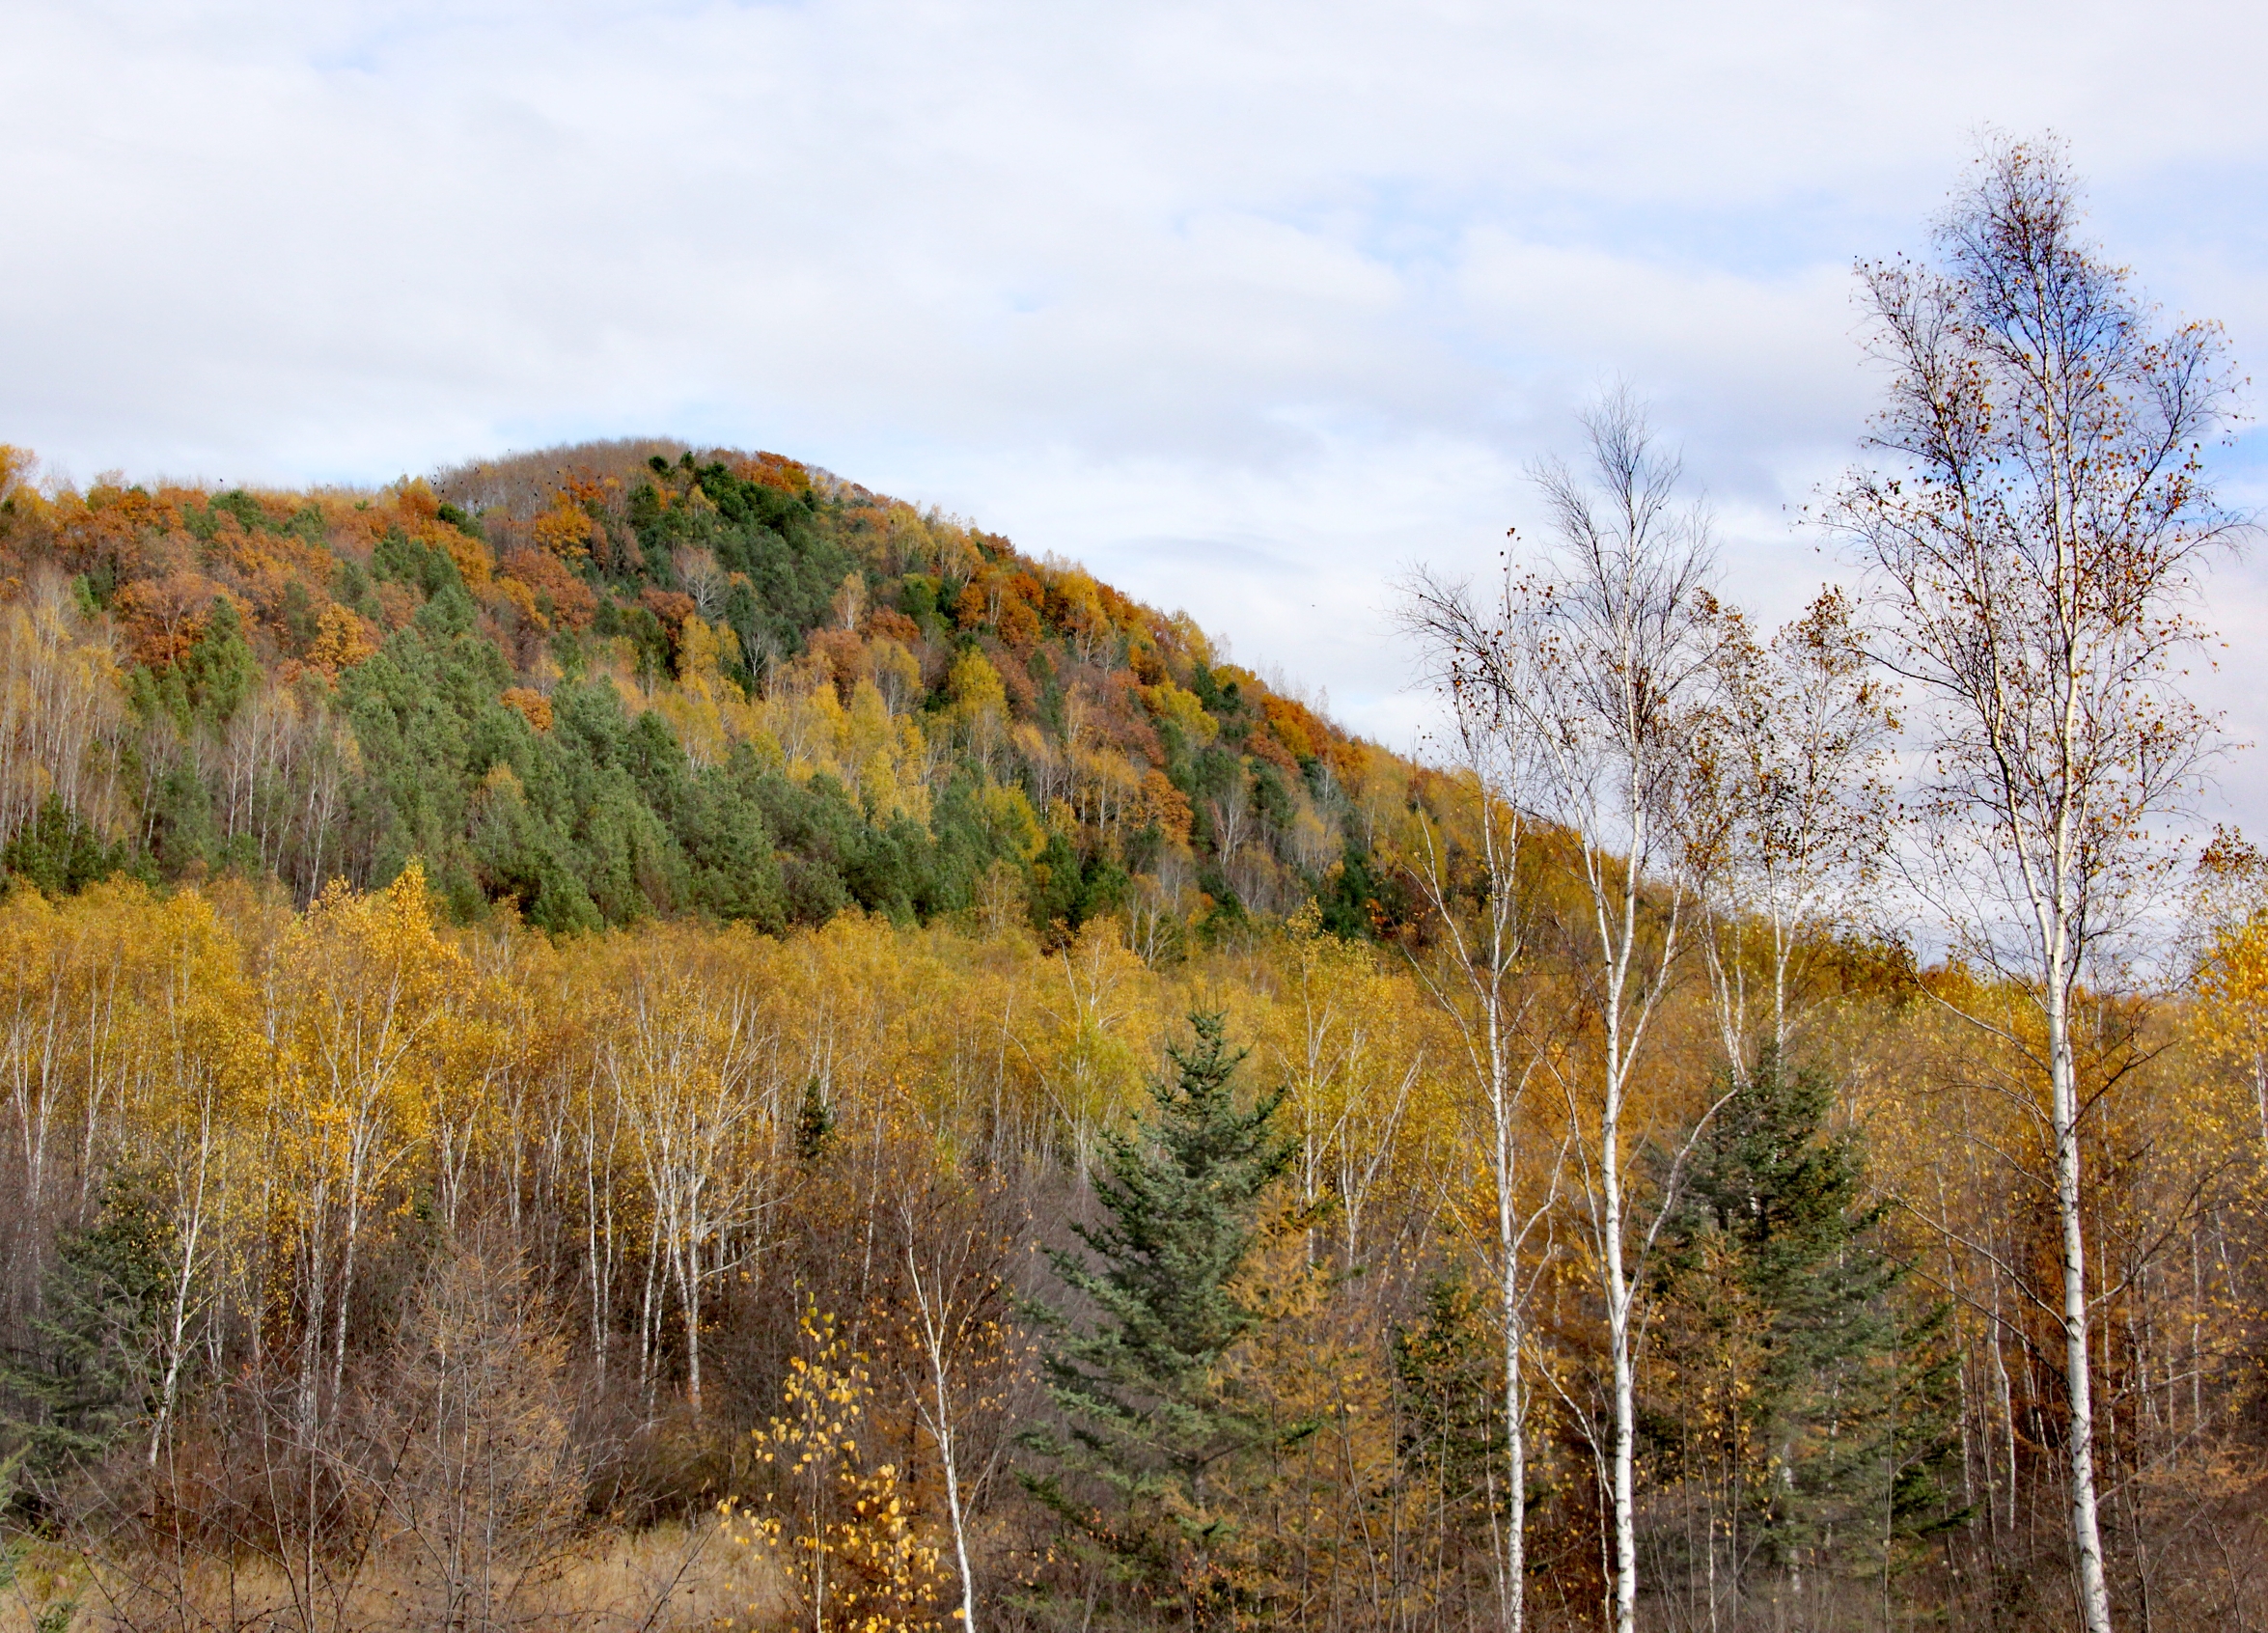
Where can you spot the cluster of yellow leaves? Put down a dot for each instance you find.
(802, 722)
(2232, 1016)
(844, 1533)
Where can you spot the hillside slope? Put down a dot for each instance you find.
(630, 679)
(354, 1256)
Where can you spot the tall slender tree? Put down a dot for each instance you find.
(1480, 974)
(1625, 631)
(2033, 517)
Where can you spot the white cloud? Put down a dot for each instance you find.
(1245, 305)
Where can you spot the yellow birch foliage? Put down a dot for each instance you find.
(2233, 1009)
(844, 1533)
(1352, 1053)
(1086, 1034)
(365, 1020)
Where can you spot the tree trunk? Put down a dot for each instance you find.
(1515, 1608)
(178, 1321)
(2094, 1595)
(1626, 1405)
(933, 1328)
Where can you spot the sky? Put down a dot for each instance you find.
(1249, 308)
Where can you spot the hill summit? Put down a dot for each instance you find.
(633, 678)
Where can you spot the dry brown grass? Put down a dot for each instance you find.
(668, 1579)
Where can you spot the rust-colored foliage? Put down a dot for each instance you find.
(531, 705)
(162, 617)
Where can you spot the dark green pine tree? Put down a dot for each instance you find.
(62, 853)
(1160, 1440)
(87, 1376)
(814, 1124)
(1775, 1254)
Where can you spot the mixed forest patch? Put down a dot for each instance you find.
(629, 681)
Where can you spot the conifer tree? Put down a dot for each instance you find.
(61, 853)
(89, 1373)
(1817, 1415)
(1159, 1435)
(814, 1124)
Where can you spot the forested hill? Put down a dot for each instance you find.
(687, 1047)
(629, 680)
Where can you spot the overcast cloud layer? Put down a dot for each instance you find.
(1244, 306)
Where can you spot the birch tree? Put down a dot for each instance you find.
(361, 998)
(955, 1248)
(685, 1076)
(1478, 978)
(2032, 514)
(1789, 816)
(1621, 632)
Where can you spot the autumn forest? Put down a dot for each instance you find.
(642, 1036)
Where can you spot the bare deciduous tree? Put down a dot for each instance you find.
(955, 1236)
(1623, 628)
(1604, 658)
(2032, 521)
(483, 1498)
(1479, 663)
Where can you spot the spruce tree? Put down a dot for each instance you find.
(89, 1373)
(814, 1124)
(1159, 1434)
(1822, 1408)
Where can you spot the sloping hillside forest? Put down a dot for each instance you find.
(640, 1036)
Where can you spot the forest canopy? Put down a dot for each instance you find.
(627, 681)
